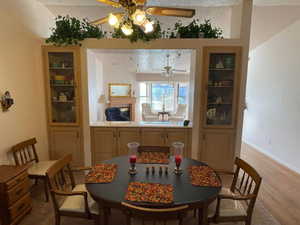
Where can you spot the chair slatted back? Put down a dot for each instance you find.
(25, 152)
(154, 214)
(60, 176)
(154, 149)
(246, 181)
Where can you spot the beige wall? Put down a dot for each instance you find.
(268, 21)
(272, 119)
(22, 24)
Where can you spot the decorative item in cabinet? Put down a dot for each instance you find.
(62, 75)
(221, 78)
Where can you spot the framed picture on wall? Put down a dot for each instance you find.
(119, 90)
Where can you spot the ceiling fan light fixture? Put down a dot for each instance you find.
(148, 26)
(113, 20)
(139, 17)
(127, 29)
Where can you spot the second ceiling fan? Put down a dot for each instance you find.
(136, 12)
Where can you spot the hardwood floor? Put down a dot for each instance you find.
(280, 191)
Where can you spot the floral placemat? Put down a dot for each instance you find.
(150, 193)
(102, 173)
(153, 157)
(203, 176)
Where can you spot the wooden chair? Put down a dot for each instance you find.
(244, 189)
(78, 203)
(154, 214)
(24, 153)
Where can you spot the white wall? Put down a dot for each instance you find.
(272, 121)
(22, 24)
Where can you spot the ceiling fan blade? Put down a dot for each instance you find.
(105, 19)
(182, 71)
(140, 2)
(166, 11)
(111, 3)
(100, 21)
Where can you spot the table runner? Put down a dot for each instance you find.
(153, 157)
(203, 176)
(102, 173)
(150, 193)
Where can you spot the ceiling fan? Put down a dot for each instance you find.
(136, 12)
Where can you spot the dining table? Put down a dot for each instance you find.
(111, 195)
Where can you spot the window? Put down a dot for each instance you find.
(182, 93)
(163, 96)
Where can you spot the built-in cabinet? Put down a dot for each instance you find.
(62, 81)
(221, 82)
(109, 142)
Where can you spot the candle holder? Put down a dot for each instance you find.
(133, 147)
(178, 150)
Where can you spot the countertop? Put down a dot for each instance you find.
(140, 124)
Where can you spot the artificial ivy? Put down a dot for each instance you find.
(71, 31)
(195, 29)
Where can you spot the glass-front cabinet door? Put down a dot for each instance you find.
(221, 82)
(62, 78)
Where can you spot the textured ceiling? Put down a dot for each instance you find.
(180, 3)
(147, 61)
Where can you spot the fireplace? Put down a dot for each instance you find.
(125, 104)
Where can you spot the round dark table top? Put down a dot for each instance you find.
(184, 191)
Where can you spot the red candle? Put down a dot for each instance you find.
(178, 160)
(132, 159)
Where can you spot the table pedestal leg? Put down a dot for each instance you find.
(203, 215)
(106, 212)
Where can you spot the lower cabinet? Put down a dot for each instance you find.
(104, 144)
(126, 135)
(153, 137)
(65, 140)
(218, 149)
(111, 142)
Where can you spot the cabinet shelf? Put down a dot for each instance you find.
(221, 69)
(67, 102)
(214, 103)
(219, 86)
(60, 68)
(62, 85)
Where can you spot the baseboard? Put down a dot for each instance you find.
(276, 159)
(4, 162)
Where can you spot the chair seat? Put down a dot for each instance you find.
(228, 207)
(76, 203)
(40, 168)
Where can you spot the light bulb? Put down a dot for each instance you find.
(139, 17)
(148, 27)
(127, 29)
(113, 20)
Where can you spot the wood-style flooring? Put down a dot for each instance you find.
(280, 191)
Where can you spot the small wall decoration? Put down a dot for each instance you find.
(6, 101)
(119, 90)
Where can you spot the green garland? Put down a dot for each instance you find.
(71, 31)
(194, 30)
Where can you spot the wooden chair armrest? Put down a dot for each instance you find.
(81, 168)
(236, 196)
(174, 209)
(69, 193)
